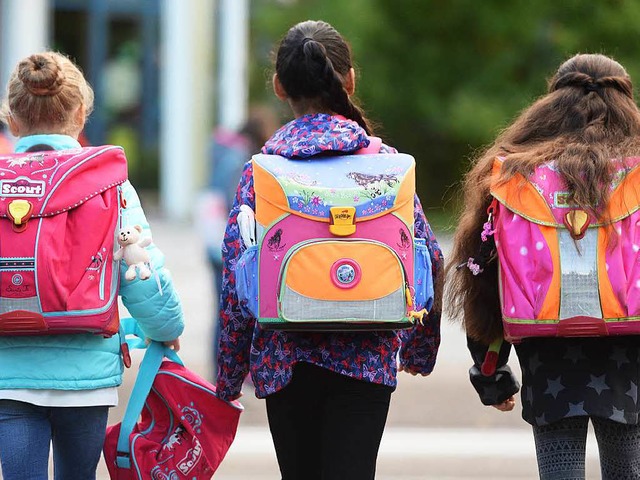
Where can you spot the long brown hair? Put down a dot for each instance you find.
(587, 118)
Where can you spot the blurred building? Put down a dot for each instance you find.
(151, 64)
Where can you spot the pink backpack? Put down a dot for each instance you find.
(59, 212)
(561, 272)
(334, 244)
(175, 426)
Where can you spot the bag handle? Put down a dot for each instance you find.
(155, 353)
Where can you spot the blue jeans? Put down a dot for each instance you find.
(27, 431)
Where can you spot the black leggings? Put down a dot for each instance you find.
(560, 448)
(327, 426)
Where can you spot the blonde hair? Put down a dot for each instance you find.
(44, 93)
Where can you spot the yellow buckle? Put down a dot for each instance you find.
(577, 221)
(343, 221)
(19, 211)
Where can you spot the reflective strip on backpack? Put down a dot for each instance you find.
(579, 277)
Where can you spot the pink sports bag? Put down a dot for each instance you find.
(175, 426)
(59, 212)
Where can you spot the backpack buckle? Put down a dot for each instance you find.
(343, 221)
(19, 211)
(577, 221)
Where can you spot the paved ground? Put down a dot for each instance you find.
(437, 428)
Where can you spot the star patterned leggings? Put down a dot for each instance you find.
(561, 449)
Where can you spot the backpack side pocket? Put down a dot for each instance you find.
(247, 280)
(423, 281)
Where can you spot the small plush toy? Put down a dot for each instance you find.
(133, 252)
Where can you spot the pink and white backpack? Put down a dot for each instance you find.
(59, 213)
(562, 273)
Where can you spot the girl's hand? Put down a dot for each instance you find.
(173, 344)
(507, 405)
(410, 371)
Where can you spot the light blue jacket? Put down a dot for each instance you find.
(84, 362)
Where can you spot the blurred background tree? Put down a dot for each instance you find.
(443, 77)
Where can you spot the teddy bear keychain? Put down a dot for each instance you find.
(132, 250)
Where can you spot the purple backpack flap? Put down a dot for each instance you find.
(59, 212)
(562, 273)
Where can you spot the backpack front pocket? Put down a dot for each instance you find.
(351, 281)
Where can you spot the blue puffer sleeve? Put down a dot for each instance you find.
(157, 308)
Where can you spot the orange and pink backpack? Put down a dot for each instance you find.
(335, 247)
(561, 271)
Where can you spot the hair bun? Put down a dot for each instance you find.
(41, 75)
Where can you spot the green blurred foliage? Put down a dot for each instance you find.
(443, 77)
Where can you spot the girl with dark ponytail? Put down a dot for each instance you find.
(327, 393)
(315, 73)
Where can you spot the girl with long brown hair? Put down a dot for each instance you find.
(583, 125)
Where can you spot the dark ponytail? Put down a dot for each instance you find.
(311, 63)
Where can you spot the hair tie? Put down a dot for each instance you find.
(49, 91)
(592, 87)
(306, 40)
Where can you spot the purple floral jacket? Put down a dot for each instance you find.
(270, 355)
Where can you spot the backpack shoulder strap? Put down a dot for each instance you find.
(625, 198)
(519, 195)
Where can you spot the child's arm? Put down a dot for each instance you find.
(498, 387)
(420, 343)
(236, 324)
(157, 308)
